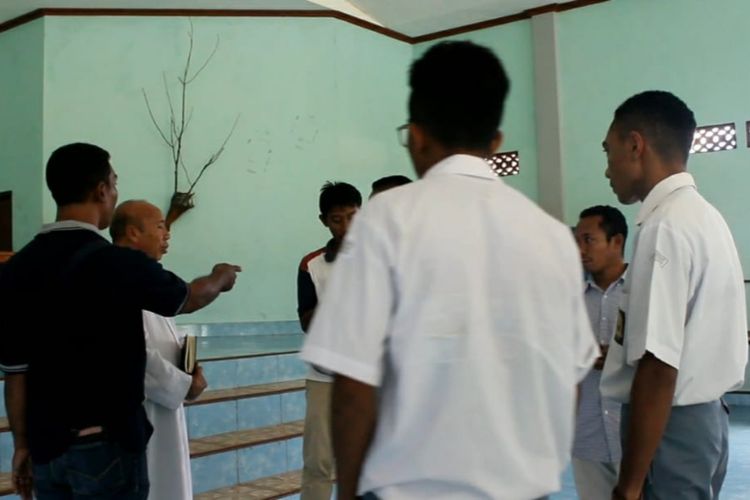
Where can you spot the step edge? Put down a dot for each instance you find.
(249, 444)
(288, 492)
(222, 399)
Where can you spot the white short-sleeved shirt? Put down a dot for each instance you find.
(461, 300)
(684, 298)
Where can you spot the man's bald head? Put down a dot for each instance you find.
(140, 225)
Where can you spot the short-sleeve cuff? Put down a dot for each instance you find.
(12, 369)
(342, 365)
(663, 353)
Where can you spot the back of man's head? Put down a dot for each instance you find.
(388, 182)
(126, 214)
(458, 92)
(663, 119)
(338, 194)
(75, 170)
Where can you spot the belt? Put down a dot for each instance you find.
(88, 431)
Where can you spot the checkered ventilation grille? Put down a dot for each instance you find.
(713, 138)
(505, 164)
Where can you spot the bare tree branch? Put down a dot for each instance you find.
(153, 119)
(180, 118)
(184, 169)
(208, 60)
(212, 159)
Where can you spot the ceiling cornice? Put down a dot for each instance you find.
(331, 14)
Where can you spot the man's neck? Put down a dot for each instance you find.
(609, 275)
(81, 212)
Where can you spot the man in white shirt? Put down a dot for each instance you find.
(600, 233)
(681, 340)
(338, 204)
(454, 318)
(140, 225)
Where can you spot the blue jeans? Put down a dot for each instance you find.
(92, 471)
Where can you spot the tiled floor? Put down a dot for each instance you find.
(737, 483)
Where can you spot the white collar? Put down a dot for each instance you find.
(661, 191)
(461, 164)
(68, 225)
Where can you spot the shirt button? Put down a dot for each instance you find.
(606, 412)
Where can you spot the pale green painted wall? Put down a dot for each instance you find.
(320, 99)
(691, 47)
(21, 163)
(513, 43)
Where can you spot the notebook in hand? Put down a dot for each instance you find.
(189, 354)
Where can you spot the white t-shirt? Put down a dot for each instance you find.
(684, 298)
(461, 300)
(318, 269)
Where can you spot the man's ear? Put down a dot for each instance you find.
(323, 220)
(497, 142)
(132, 233)
(100, 192)
(619, 240)
(637, 143)
(418, 140)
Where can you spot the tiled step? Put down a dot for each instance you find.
(249, 391)
(228, 441)
(5, 486)
(232, 458)
(266, 488)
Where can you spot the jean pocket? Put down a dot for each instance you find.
(96, 470)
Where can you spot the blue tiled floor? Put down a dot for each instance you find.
(737, 483)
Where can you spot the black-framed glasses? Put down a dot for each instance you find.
(403, 134)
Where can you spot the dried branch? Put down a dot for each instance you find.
(180, 117)
(208, 60)
(212, 159)
(184, 169)
(153, 119)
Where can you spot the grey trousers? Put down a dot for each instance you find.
(595, 480)
(691, 461)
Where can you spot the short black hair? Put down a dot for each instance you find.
(74, 171)
(612, 223)
(663, 118)
(390, 181)
(458, 92)
(338, 194)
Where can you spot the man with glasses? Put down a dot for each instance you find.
(454, 318)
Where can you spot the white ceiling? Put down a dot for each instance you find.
(409, 17)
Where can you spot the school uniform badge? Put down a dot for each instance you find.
(620, 329)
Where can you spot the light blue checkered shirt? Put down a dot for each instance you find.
(598, 421)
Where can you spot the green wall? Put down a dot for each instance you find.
(319, 99)
(21, 162)
(693, 48)
(513, 43)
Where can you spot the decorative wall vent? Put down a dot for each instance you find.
(505, 164)
(713, 138)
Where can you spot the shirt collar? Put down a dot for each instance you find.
(661, 191)
(68, 225)
(590, 283)
(461, 164)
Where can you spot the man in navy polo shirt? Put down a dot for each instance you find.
(75, 369)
